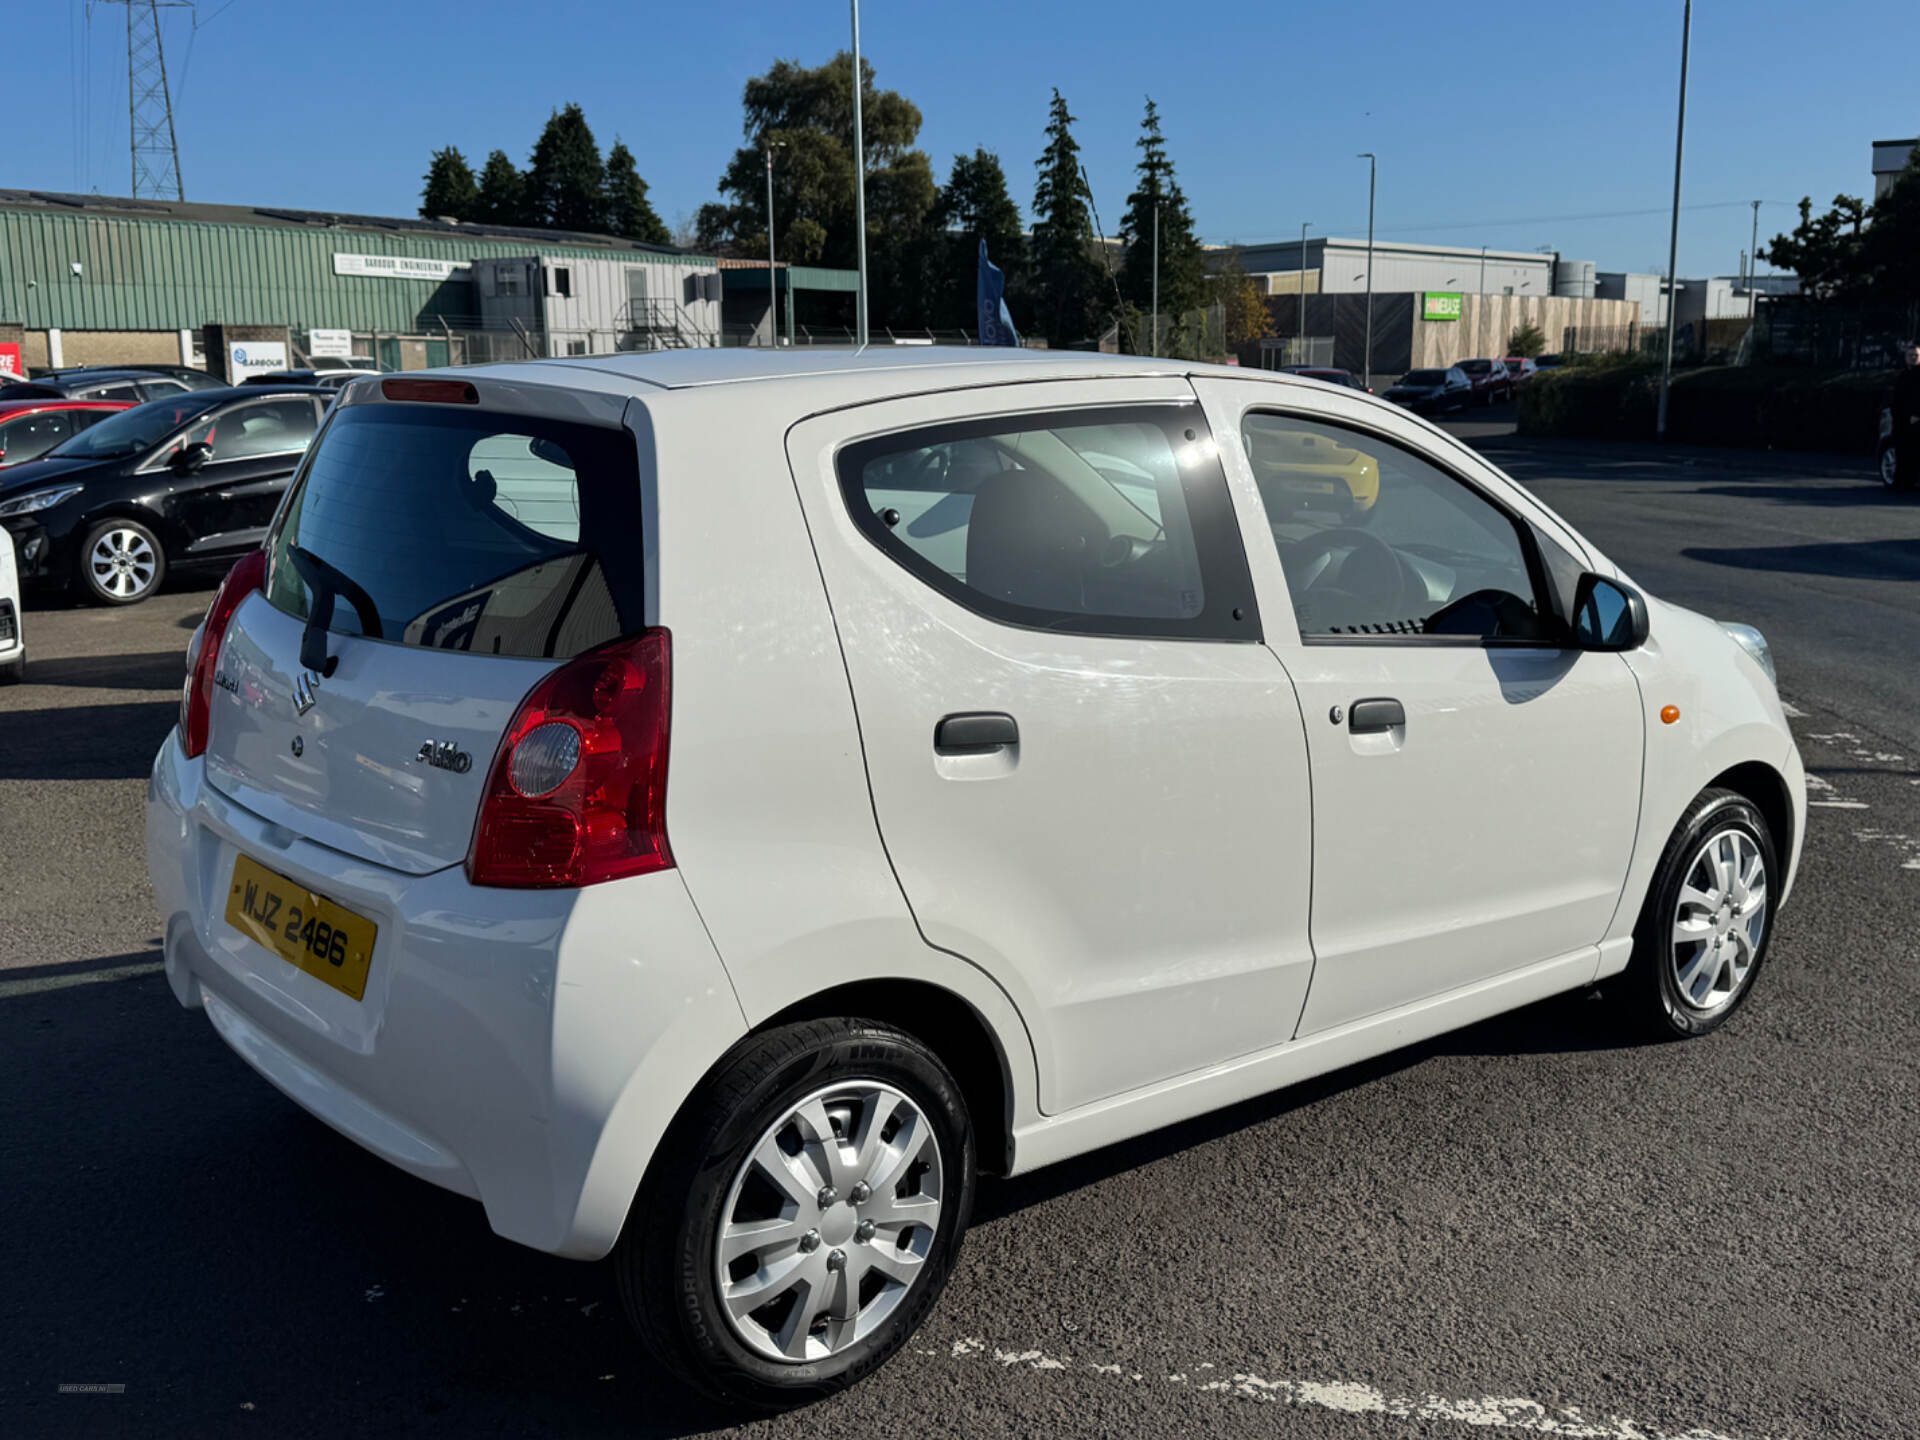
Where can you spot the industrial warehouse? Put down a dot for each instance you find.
(94, 280)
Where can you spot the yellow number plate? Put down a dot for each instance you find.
(306, 930)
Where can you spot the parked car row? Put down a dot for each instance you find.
(130, 383)
(190, 480)
(1469, 382)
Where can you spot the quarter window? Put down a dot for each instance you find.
(1112, 521)
(1377, 542)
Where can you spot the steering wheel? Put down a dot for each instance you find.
(1370, 576)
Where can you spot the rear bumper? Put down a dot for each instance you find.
(526, 1048)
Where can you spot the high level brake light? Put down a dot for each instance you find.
(578, 790)
(249, 573)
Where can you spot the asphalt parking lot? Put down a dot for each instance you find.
(1527, 1226)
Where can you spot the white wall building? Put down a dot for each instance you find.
(577, 306)
(1889, 159)
(1339, 266)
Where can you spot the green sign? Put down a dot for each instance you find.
(1439, 305)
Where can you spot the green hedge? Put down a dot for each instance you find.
(1761, 407)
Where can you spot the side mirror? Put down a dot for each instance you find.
(191, 459)
(1608, 615)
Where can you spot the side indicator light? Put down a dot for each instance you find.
(1669, 714)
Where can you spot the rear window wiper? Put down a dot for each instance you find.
(326, 582)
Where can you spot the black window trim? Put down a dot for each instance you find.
(1230, 611)
(1546, 597)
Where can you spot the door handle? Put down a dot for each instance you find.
(975, 730)
(1370, 717)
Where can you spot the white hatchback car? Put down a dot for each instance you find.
(707, 806)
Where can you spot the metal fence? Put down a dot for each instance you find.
(1797, 330)
(1296, 350)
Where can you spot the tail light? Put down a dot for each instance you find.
(248, 574)
(578, 791)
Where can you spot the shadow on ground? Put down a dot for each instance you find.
(155, 670)
(84, 742)
(1851, 560)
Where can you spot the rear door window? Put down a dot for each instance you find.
(1101, 522)
(457, 530)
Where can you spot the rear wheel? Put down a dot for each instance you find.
(14, 671)
(121, 563)
(803, 1215)
(1708, 919)
(1889, 469)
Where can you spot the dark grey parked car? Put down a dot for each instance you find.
(1431, 392)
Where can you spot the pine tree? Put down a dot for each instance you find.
(973, 206)
(449, 190)
(502, 198)
(566, 178)
(1182, 266)
(1068, 282)
(629, 214)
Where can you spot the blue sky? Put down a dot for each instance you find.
(1519, 124)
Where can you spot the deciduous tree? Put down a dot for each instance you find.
(806, 116)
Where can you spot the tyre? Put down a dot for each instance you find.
(1707, 922)
(803, 1214)
(1889, 469)
(14, 671)
(121, 563)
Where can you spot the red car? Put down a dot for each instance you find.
(30, 428)
(1491, 382)
(1520, 369)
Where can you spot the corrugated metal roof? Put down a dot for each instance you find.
(92, 263)
(49, 201)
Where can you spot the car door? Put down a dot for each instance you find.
(1476, 780)
(1088, 772)
(228, 503)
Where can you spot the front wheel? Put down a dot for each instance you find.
(1889, 468)
(802, 1216)
(121, 563)
(1705, 927)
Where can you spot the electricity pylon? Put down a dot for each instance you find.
(155, 151)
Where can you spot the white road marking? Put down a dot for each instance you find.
(1353, 1398)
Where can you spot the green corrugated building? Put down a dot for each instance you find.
(89, 279)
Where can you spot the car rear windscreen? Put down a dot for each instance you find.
(461, 530)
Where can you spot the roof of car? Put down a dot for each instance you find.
(680, 369)
(59, 402)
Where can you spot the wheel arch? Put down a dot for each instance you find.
(947, 1024)
(1766, 787)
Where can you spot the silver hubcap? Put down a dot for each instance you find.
(123, 563)
(829, 1221)
(1720, 920)
(1887, 463)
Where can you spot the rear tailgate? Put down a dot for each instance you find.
(463, 553)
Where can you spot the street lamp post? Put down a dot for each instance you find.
(1673, 236)
(1300, 334)
(1753, 269)
(773, 273)
(1366, 362)
(860, 188)
(1155, 347)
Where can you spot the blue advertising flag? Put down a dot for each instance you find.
(996, 323)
